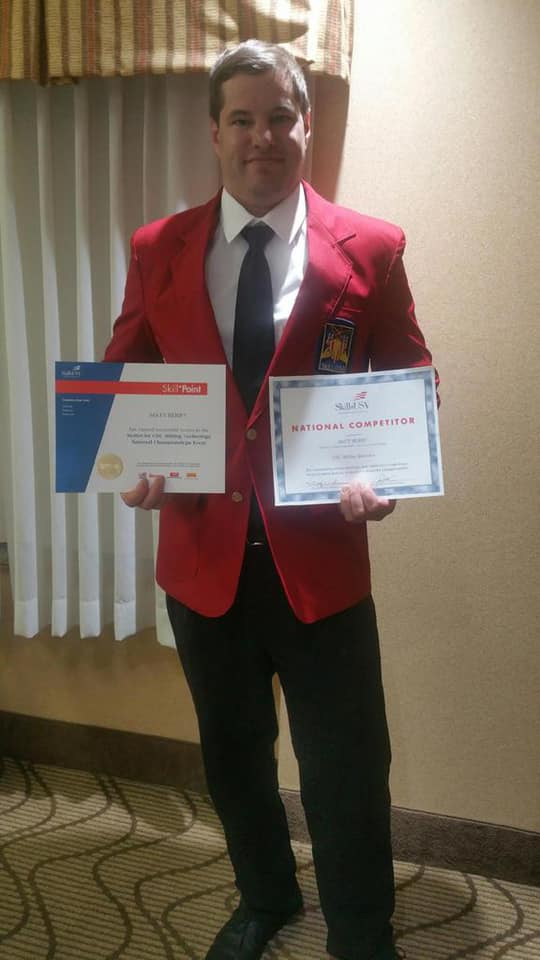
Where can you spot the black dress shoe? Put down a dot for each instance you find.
(391, 953)
(246, 934)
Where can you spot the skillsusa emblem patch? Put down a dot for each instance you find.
(336, 346)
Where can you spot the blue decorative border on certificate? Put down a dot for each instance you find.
(426, 374)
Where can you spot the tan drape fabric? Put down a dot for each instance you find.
(21, 38)
(62, 40)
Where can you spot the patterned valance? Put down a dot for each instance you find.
(62, 40)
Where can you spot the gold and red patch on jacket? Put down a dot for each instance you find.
(336, 344)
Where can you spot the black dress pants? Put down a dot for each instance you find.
(330, 674)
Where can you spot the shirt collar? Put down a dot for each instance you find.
(285, 219)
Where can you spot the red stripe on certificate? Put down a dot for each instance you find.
(165, 388)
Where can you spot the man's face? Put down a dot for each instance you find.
(260, 140)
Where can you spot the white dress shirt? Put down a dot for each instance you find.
(286, 253)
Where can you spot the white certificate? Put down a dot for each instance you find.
(377, 428)
(119, 422)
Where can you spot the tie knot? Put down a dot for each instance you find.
(258, 236)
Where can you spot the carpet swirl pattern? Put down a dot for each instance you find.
(97, 868)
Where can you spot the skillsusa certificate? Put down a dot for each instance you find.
(378, 428)
(119, 422)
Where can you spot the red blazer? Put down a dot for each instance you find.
(355, 272)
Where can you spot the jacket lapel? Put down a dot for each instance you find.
(201, 339)
(325, 281)
(327, 276)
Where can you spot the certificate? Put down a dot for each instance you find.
(377, 428)
(119, 422)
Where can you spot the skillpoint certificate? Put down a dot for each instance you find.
(117, 423)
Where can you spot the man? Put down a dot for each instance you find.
(254, 589)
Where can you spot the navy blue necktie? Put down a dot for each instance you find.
(254, 316)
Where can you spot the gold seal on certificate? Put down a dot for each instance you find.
(109, 466)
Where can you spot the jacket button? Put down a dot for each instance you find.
(237, 496)
(251, 434)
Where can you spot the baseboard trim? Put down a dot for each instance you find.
(452, 843)
(120, 753)
(482, 848)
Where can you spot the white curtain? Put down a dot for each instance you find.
(80, 167)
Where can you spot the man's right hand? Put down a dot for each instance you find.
(148, 496)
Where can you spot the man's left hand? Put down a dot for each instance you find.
(359, 503)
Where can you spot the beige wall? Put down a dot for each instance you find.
(441, 138)
(135, 685)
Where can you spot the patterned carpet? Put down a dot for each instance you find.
(95, 868)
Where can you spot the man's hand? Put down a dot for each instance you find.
(148, 496)
(359, 503)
